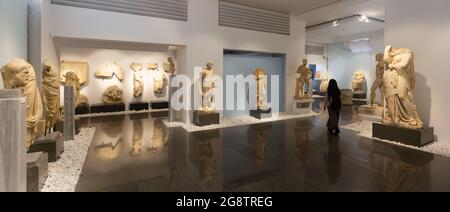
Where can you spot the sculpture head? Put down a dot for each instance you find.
(209, 65)
(379, 57)
(72, 79)
(305, 62)
(359, 75)
(17, 74)
(170, 59)
(49, 69)
(259, 73)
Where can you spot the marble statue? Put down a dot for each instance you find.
(261, 89)
(359, 81)
(170, 67)
(378, 84)
(152, 66)
(138, 79)
(207, 88)
(81, 69)
(324, 84)
(159, 81)
(73, 80)
(303, 81)
(398, 83)
(50, 93)
(113, 95)
(19, 74)
(109, 70)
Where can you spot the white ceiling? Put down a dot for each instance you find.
(285, 6)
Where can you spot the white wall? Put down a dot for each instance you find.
(98, 57)
(13, 33)
(203, 39)
(424, 27)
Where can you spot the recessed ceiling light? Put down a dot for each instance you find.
(335, 23)
(363, 18)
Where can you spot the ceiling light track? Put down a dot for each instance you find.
(335, 22)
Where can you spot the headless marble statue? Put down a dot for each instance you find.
(170, 67)
(261, 89)
(359, 81)
(159, 79)
(303, 81)
(138, 79)
(73, 80)
(19, 74)
(398, 83)
(378, 84)
(50, 93)
(207, 89)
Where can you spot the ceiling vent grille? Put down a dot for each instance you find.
(315, 50)
(243, 17)
(168, 9)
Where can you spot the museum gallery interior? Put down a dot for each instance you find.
(224, 95)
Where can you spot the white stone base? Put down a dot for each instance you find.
(300, 107)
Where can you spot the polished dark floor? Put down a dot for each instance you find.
(141, 154)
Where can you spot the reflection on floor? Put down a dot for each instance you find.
(132, 153)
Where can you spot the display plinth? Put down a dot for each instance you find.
(107, 108)
(359, 102)
(261, 114)
(413, 137)
(138, 106)
(300, 107)
(50, 144)
(202, 118)
(157, 105)
(37, 171)
(359, 95)
(59, 127)
(82, 109)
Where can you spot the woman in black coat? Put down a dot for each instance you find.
(333, 104)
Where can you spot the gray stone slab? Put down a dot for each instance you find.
(51, 144)
(12, 141)
(37, 171)
(69, 113)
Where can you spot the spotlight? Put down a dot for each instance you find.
(363, 18)
(335, 23)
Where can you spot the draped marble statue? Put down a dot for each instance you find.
(159, 81)
(170, 67)
(50, 93)
(378, 83)
(359, 81)
(303, 82)
(73, 80)
(261, 89)
(398, 83)
(138, 79)
(207, 88)
(19, 74)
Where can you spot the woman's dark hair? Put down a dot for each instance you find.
(333, 89)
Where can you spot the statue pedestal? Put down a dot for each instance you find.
(138, 106)
(13, 150)
(261, 114)
(347, 97)
(413, 137)
(82, 109)
(300, 107)
(50, 144)
(359, 98)
(202, 118)
(37, 171)
(107, 108)
(157, 105)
